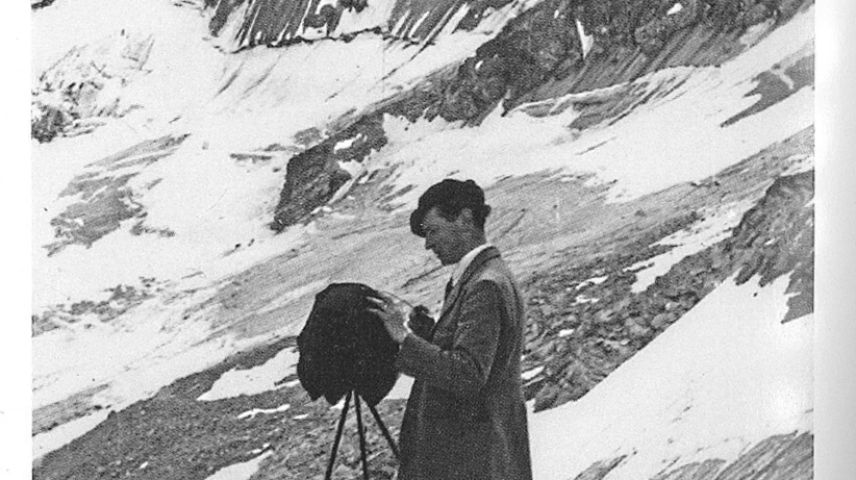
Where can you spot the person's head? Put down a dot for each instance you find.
(451, 217)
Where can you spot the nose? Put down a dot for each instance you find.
(430, 241)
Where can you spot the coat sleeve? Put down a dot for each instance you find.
(464, 368)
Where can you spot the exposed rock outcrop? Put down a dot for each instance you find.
(787, 456)
(540, 43)
(122, 299)
(580, 331)
(36, 4)
(314, 176)
(669, 17)
(776, 237)
(737, 14)
(776, 84)
(103, 199)
(600, 469)
(539, 56)
(281, 22)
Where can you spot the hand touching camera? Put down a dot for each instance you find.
(399, 318)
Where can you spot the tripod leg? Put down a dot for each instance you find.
(362, 436)
(338, 437)
(385, 432)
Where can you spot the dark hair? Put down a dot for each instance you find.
(450, 197)
(450, 211)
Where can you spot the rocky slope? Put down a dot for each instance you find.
(605, 273)
(774, 238)
(176, 435)
(539, 55)
(278, 22)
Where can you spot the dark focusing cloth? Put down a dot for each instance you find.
(345, 347)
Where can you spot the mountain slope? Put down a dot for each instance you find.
(650, 169)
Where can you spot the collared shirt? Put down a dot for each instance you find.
(465, 262)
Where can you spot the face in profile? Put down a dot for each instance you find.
(446, 238)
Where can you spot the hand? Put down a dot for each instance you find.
(393, 311)
(420, 321)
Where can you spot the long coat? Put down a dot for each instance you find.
(466, 416)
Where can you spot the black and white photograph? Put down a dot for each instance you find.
(423, 240)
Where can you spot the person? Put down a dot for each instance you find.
(466, 415)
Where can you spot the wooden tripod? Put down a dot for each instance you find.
(361, 432)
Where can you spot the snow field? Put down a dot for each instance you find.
(727, 375)
(134, 357)
(213, 203)
(639, 154)
(71, 360)
(95, 19)
(228, 103)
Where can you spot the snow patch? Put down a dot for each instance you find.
(240, 471)
(530, 374)
(58, 436)
(592, 281)
(254, 380)
(419, 22)
(716, 227)
(585, 299)
(677, 7)
(755, 32)
(586, 41)
(353, 167)
(345, 144)
(256, 411)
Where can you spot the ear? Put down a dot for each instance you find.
(465, 217)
